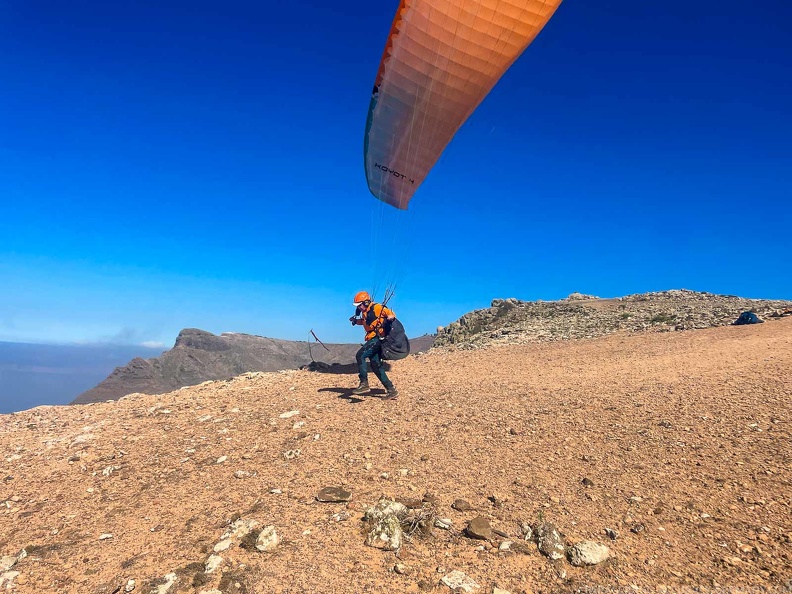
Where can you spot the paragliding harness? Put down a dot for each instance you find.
(395, 345)
(393, 341)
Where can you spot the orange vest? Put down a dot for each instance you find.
(373, 319)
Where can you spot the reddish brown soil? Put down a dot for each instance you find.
(695, 424)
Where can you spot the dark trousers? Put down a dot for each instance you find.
(371, 351)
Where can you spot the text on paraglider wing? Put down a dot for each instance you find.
(387, 169)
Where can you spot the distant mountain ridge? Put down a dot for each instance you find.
(199, 356)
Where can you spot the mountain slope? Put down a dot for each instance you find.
(683, 439)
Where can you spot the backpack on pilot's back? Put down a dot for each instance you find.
(395, 345)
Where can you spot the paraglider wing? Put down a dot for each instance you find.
(441, 59)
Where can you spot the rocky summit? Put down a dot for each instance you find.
(585, 316)
(630, 462)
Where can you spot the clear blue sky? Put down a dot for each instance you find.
(193, 164)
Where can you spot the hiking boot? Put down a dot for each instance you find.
(363, 388)
(392, 393)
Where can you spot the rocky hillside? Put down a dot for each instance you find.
(652, 462)
(584, 316)
(199, 356)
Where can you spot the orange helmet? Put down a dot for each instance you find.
(360, 297)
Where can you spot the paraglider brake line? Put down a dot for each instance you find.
(319, 341)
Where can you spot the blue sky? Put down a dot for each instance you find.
(171, 165)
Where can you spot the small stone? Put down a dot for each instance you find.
(222, 459)
(549, 541)
(588, 553)
(240, 474)
(636, 499)
(291, 454)
(612, 534)
(461, 505)
(288, 415)
(496, 590)
(333, 495)
(212, 563)
(130, 586)
(400, 568)
(223, 545)
(7, 563)
(105, 536)
(479, 528)
(637, 528)
(459, 582)
(268, 539)
(587, 482)
(443, 523)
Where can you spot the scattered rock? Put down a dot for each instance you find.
(223, 545)
(384, 521)
(289, 415)
(430, 499)
(588, 553)
(612, 534)
(549, 541)
(333, 495)
(105, 537)
(7, 579)
(527, 531)
(240, 528)
(459, 582)
(163, 588)
(587, 482)
(268, 539)
(479, 528)
(461, 505)
(443, 523)
(7, 563)
(212, 563)
(291, 454)
(130, 586)
(411, 503)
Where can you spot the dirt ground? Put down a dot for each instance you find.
(683, 437)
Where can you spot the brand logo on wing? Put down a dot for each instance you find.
(386, 169)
